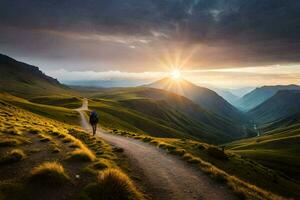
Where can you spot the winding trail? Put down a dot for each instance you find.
(166, 177)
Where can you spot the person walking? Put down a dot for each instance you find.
(94, 119)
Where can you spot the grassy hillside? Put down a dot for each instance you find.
(54, 112)
(277, 149)
(283, 104)
(42, 158)
(283, 123)
(259, 95)
(24, 80)
(66, 101)
(160, 113)
(204, 97)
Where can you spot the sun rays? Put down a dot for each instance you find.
(176, 74)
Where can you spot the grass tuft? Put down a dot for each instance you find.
(101, 164)
(49, 174)
(66, 140)
(81, 155)
(14, 155)
(54, 133)
(13, 132)
(34, 131)
(112, 184)
(179, 152)
(7, 142)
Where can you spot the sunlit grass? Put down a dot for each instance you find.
(81, 155)
(113, 181)
(14, 155)
(44, 139)
(49, 173)
(7, 142)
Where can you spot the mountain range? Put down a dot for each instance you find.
(282, 105)
(261, 94)
(227, 95)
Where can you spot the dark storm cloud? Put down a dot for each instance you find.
(246, 31)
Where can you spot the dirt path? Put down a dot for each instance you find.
(166, 177)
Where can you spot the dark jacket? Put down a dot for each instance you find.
(94, 119)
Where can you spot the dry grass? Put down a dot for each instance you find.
(34, 131)
(49, 173)
(102, 164)
(14, 155)
(98, 146)
(45, 138)
(67, 140)
(74, 145)
(7, 142)
(48, 176)
(13, 131)
(112, 184)
(82, 155)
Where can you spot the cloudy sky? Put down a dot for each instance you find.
(228, 43)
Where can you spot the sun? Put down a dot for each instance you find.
(176, 74)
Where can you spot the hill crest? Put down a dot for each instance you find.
(206, 98)
(261, 94)
(282, 105)
(26, 80)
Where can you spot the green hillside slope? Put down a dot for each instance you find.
(54, 112)
(259, 95)
(283, 123)
(25, 80)
(161, 113)
(277, 149)
(283, 104)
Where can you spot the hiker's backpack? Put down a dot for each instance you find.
(94, 118)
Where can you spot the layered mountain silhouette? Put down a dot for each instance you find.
(227, 95)
(261, 94)
(283, 104)
(202, 96)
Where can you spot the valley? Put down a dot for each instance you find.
(149, 100)
(191, 148)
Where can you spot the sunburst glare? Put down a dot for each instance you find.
(176, 74)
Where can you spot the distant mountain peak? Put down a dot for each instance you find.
(206, 98)
(281, 105)
(261, 94)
